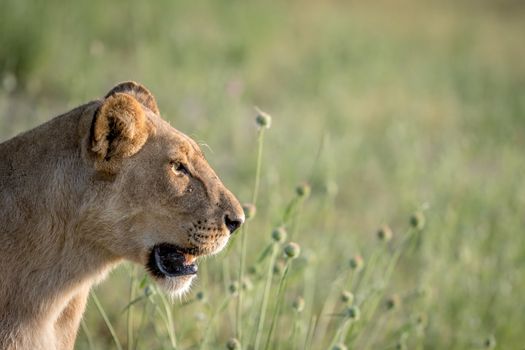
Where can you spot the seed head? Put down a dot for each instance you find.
(384, 233)
(233, 344)
(490, 342)
(347, 297)
(249, 210)
(247, 284)
(303, 190)
(148, 291)
(401, 345)
(421, 320)
(253, 270)
(292, 250)
(393, 302)
(279, 234)
(233, 288)
(298, 304)
(200, 296)
(357, 263)
(263, 119)
(417, 220)
(339, 346)
(353, 312)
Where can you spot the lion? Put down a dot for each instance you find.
(106, 182)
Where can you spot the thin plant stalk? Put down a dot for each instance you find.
(310, 333)
(295, 219)
(88, 334)
(388, 274)
(170, 325)
(238, 313)
(295, 330)
(141, 327)
(340, 332)
(397, 255)
(130, 308)
(369, 268)
(312, 271)
(164, 318)
(382, 325)
(264, 304)
(106, 320)
(207, 332)
(386, 279)
(277, 308)
(331, 301)
(260, 142)
(309, 295)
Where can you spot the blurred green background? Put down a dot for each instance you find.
(384, 107)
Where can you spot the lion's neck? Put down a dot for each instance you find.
(48, 281)
(44, 262)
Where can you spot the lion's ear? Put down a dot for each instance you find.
(138, 91)
(119, 130)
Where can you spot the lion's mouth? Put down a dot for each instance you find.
(168, 260)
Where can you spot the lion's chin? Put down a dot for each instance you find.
(175, 286)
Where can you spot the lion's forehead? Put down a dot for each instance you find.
(190, 146)
(183, 148)
(180, 141)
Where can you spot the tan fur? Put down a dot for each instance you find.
(87, 190)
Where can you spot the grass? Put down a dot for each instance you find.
(384, 109)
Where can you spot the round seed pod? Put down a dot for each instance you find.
(149, 291)
(263, 119)
(347, 297)
(393, 302)
(385, 233)
(279, 234)
(417, 220)
(233, 288)
(401, 345)
(421, 320)
(233, 344)
(489, 342)
(303, 190)
(292, 250)
(353, 312)
(247, 283)
(298, 304)
(249, 210)
(357, 263)
(200, 296)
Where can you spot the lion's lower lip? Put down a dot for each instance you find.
(167, 260)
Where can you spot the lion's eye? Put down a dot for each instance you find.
(179, 168)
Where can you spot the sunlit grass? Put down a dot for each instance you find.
(382, 114)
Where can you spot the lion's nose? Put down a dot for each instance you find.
(232, 224)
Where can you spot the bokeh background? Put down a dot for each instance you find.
(385, 108)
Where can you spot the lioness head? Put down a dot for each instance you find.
(159, 201)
